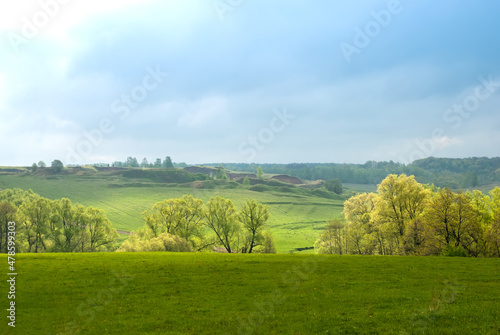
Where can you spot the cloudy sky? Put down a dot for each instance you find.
(248, 81)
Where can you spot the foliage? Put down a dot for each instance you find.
(334, 185)
(45, 225)
(408, 218)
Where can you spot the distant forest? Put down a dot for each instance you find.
(442, 172)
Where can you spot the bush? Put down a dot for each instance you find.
(452, 251)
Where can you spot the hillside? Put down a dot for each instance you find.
(442, 172)
(298, 214)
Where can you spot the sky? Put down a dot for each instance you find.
(281, 81)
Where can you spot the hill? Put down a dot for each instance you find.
(298, 214)
(442, 172)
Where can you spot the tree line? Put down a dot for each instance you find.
(442, 172)
(405, 217)
(158, 163)
(187, 224)
(44, 225)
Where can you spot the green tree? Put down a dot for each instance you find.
(144, 163)
(253, 216)
(246, 181)
(157, 164)
(102, 236)
(57, 166)
(334, 185)
(7, 214)
(167, 163)
(34, 167)
(221, 173)
(333, 240)
(42, 165)
(221, 218)
(260, 173)
(269, 245)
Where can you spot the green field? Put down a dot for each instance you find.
(297, 218)
(208, 293)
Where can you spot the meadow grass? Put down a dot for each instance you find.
(297, 219)
(208, 293)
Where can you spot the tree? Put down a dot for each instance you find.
(401, 202)
(42, 165)
(102, 236)
(333, 240)
(334, 185)
(182, 217)
(358, 212)
(35, 217)
(7, 214)
(493, 230)
(253, 216)
(157, 163)
(221, 218)
(57, 166)
(67, 230)
(268, 246)
(34, 167)
(131, 162)
(260, 173)
(167, 163)
(246, 181)
(144, 163)
(221, 173)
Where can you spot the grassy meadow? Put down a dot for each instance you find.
(207, 293)
(297, 217)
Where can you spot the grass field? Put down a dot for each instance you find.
(208, 293)
(297, 219)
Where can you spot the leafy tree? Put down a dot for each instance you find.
(334, 185)
(157, 163)
(358, 211)
(34, 167)
(102, 236)
(269, 245)
(144, 163)
(7, 214)
(253, 216)
(182, 217)
(131, 162)
(260, 173)
(35, 217)
(333, 240)
(221, 218)
(221, 173)
(42, 165)
(246, 181)
(401, 201)
(167, 163)
(57, 166)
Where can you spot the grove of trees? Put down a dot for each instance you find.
(44, 225)
(405, 217)
(187, 224)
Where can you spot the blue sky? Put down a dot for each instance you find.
(248, 81)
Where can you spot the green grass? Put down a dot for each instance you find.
(297, 216)
(208, 293)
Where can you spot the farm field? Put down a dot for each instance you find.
(208, 293)
(296, 219)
